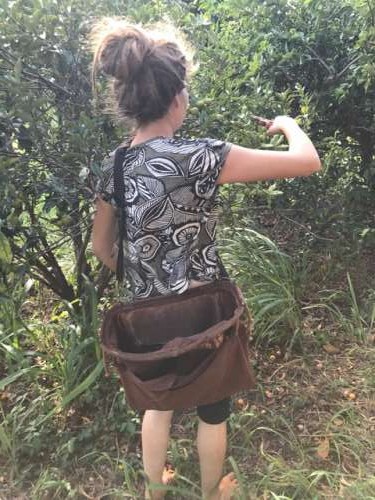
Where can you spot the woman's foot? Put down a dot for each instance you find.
(225, 489)
(168, 475)
(167, 478)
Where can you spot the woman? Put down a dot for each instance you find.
(171, 189)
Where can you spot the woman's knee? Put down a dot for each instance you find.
(215, 413)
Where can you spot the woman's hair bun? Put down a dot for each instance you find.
(146, 69)
(122, 51)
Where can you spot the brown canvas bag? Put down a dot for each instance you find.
(179, 351)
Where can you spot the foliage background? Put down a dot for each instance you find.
(308, 59)
(302, 249)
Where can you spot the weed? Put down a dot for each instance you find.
(50, 486)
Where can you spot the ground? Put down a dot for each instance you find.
(306, 433)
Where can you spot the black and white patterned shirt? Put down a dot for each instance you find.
(172, 212)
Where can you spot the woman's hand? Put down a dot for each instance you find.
(280, 125)
(276, 126)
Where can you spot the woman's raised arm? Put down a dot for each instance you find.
(250, 165)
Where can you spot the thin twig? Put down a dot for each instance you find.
(307, 229)
(354, 60)
(328, 68)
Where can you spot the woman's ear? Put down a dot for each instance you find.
(176, 101)
(181, 100)
(185, 97)
(178, 107)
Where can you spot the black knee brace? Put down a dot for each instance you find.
(215, 413)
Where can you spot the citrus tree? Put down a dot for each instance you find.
(310, 58)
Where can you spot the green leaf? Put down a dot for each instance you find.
(12, 378)
(84, 385)
(5, 250)
(18, 70)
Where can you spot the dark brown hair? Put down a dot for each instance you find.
(145, 72)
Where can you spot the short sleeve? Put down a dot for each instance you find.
(105, 185)
(216, 154)
(205, 165)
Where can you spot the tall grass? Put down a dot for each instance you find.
(361, 320)
(13, 330)
(354, 316)
(271, 283)
(55, 362)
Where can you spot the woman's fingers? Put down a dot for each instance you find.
(272, 129)
(263, 122)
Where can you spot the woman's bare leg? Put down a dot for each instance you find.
(212, 446)
(155, 436)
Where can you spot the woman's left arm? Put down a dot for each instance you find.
(104, 233)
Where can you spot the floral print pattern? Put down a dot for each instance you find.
(171, 212)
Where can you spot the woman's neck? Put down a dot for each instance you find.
(158, 128)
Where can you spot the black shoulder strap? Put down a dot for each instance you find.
(119, 195)
(223, 271)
